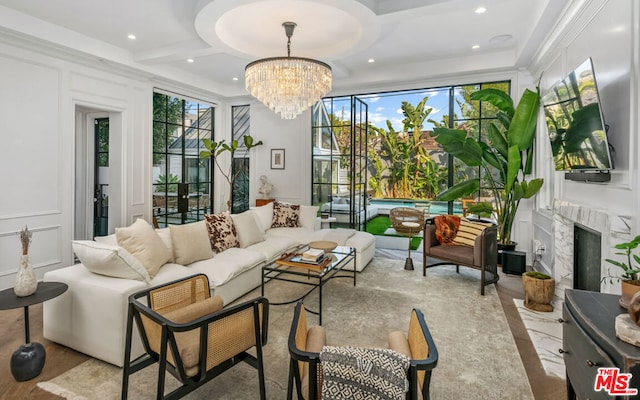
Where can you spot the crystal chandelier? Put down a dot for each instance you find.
(288, 85)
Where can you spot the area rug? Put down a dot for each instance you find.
(478, 358)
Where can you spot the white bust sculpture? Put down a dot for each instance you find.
(265, 188)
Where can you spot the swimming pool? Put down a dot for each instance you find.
(435, 207)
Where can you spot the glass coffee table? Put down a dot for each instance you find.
(313, 275)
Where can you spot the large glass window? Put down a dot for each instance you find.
(240, 127)
(405, 164)
(182, 182)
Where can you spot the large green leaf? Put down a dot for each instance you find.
(513, 167)
(456, 143)
(532, 187)
(496, 97)
(490, 157)
(498, 141)
(460, 190)
(523, 123)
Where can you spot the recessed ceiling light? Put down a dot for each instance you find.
(371, 60)
(481, 10)
(131, 36)
(190, 60)
(475, 46)
(235, 78)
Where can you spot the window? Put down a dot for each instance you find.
(182, 182)
(240, 127)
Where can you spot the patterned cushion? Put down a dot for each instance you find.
(285, 215)
(446, 228)
(222, 232)
(468, 232)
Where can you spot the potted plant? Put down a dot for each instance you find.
(630, 277)
(539, 290)
(510, 153)
(215, 149)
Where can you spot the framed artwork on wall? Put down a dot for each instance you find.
(277, 158)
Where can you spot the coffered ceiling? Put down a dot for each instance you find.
(207, 43)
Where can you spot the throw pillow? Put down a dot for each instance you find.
(264, 216)
(141, 240)
(190, 242)
(247, 229)
(285, 215)
(109, 260)
(308, 215)
(109, 239)
(165, 235)
(468, 232)
(222, 232)
(446, 228)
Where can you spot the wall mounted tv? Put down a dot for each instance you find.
(576, 126)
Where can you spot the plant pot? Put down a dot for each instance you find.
(505, 247)
(628, 289)
(538, 293)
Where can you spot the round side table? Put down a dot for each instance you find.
(27, 362)
(408, 264)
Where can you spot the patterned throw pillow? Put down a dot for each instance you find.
(468, 232)
(446, 228)
(222, 232)
(285, 215)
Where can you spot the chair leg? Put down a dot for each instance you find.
(457, 269)
(263, 391)
(290, 380)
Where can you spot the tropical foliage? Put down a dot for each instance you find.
(506, 160)
(215, 148)
(629, 271)
(401, 164)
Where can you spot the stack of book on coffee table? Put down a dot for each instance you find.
(312, 256)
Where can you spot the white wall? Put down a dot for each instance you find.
(606, 31)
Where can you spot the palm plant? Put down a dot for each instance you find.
(510, 154)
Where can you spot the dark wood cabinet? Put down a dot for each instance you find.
(589, 342)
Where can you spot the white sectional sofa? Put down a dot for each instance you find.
(91, 315)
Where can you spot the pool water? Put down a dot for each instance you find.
(436, 207)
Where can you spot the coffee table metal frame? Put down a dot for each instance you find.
(316, 278)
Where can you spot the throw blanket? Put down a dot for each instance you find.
(359, 373)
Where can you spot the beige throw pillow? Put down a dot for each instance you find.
(308, 215)
(190, 242)
(247, 229)
(109, 260)
(468, 232)
(264, 216)
(140, 240)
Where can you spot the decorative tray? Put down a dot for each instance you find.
(294, 260)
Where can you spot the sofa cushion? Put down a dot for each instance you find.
(109, 260)
(264, 215)
(195, 310)
(285, 215)
(274, 247)
(222, 232)
(165, 235)
(398, 342)
(190, 242)
(308, 215)
(298, 235)
(446, 228)
(247, 228)
(109, 239)
(140, 240)
(464, 254)
(227, 265)
(468, 232)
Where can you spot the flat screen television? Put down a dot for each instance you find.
(575, 123)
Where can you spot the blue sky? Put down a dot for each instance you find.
(386, 106)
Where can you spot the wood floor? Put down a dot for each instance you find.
(60, 359)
